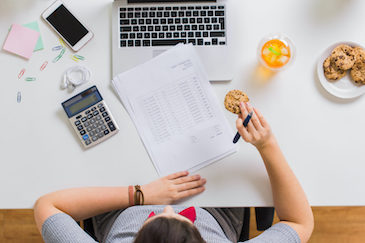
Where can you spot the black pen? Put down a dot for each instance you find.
(245, 122)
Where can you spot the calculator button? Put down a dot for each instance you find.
(100, 135)
(94, 138)
(80, 127)
(79, 116)
(105, 114)
(82, 132)
(100, 105)
(92, 133)
(89, 129)
(107, 119)
(95, 113)
(87, 112)
(87, 142)
(106, 132)
(93, 109)
(103, 127)
(100, 123)
(90, 116)
(98, 117)
(92, 121)
(83, 119)
(102, 109)
(77, 122)
(86, 124)
(85, 137)
(111, 126)
(97, 130)
(95, 126)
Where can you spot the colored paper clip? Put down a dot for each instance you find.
(56, 59)
(19, 97)
(44, 65)
(62, 52)
(57, 48)
(62, 42)
(74, 58)
(59, 55)
(79, 57)
(30, 79)
(21, 73)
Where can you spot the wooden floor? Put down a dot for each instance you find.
(332, 224)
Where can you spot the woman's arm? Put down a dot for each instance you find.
(290, 201)
(82, 203)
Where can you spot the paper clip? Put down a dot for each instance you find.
(44, 65)
(21, 73)
(62, 42)
(18, 97)
(62, 52)
(74, 58)
(79, 57)
(57, 48)
(59, 55)
(56, 59)
(30, 79)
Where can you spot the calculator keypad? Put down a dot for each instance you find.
(94, 123)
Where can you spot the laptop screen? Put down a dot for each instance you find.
(159, 1)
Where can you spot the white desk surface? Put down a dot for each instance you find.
(321, 136)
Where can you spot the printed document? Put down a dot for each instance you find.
(175, 111)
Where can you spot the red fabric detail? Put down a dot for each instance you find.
(188, 213)
(151, 214)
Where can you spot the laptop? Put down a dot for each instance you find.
(143, 29)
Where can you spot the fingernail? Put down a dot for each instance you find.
(241, 104)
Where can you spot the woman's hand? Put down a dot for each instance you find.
(258, 131)
(171, 188)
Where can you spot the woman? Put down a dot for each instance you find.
(55, 213)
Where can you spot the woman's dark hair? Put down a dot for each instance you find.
(166, 230)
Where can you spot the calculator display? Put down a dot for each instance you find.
(82, 101)
(86, 102)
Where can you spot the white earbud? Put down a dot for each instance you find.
(70, 82)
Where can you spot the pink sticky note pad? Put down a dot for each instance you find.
(21, 41)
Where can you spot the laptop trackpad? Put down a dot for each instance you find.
(155, 53)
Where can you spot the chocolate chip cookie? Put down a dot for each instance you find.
(357, 72)
(331, 71)
(343, 56)
(233, 99)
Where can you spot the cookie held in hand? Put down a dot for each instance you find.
(233, 99)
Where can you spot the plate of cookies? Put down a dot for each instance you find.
(341, 69)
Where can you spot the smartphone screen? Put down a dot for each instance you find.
(67, 25)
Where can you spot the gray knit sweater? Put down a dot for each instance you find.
(62, 228)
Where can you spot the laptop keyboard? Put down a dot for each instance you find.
(170, 25)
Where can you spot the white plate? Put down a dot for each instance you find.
(344, 88)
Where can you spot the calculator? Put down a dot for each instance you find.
(90, 117)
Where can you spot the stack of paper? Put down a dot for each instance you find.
(175, 110)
